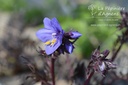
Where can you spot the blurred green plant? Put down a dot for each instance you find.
(34, 16)
(11, 5)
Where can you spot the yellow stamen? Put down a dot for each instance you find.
(53, 41)
(48, 42)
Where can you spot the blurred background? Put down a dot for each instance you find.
(20, 19)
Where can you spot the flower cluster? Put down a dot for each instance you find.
(55, 38)
(100, 63)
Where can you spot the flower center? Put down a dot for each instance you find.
(51, 42)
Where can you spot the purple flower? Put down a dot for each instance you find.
(72, 34)
(67, 46)
(54, 37)
(51, 35)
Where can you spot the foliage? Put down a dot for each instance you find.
(11, 5)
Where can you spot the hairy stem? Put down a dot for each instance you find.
(52, 70)
(89, 77)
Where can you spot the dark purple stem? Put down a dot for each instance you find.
(52, 70)
(117, 51)
(89, 77)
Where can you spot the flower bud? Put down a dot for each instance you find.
(73, 34)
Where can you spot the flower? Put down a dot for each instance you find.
(55, 38)
(67, 46)
(72, 34)
(67, 43)
(99, 63)
(51, 35)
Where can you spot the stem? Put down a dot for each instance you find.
(52, 70)
(115, 54)
(89, 77)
